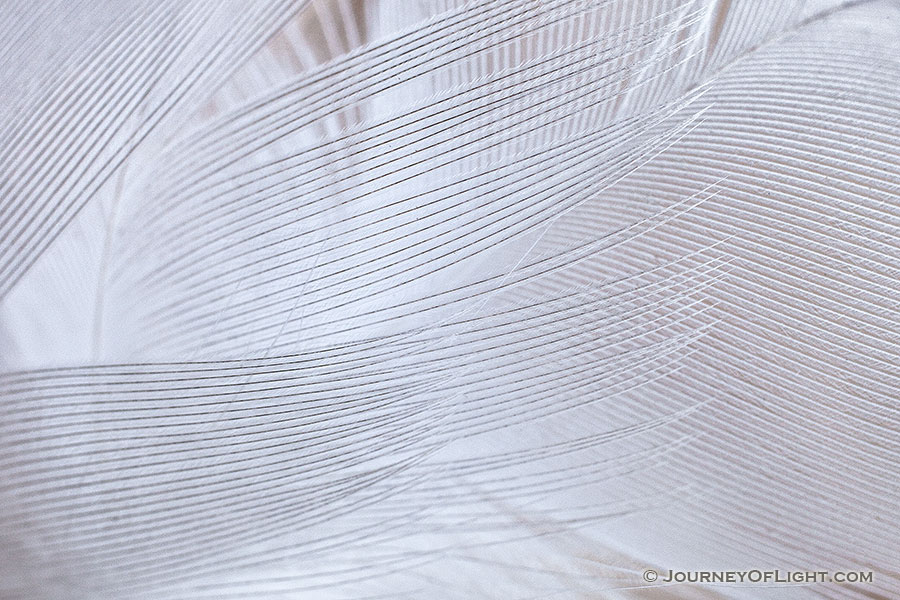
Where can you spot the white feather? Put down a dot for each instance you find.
(362, 299)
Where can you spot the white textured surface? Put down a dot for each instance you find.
(371, 299)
